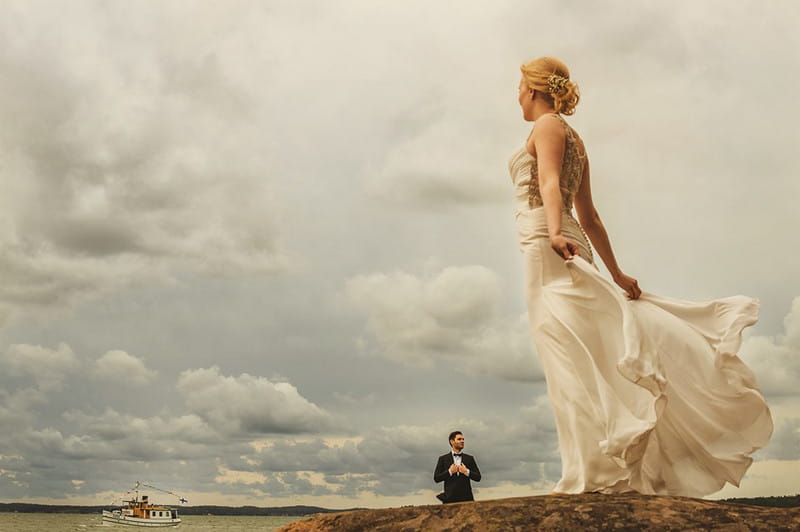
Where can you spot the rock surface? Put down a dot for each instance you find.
(586, 512)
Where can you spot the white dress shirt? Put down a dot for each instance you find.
(457, 461)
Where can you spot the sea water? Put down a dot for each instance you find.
(19, 522)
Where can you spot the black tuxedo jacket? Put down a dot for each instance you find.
(457, 486)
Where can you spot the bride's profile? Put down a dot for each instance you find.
(648, 392)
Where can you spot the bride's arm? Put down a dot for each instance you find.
(589, 218)
(548, 138)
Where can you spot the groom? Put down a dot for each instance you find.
(456, 469)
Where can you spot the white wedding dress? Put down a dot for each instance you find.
(648, 395)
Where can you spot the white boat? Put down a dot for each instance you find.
(139, 512)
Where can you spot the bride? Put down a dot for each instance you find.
(648, 392)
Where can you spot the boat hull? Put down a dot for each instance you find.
(118, 518)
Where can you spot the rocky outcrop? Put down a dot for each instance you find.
(586, 512)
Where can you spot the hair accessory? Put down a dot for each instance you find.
(556, 84)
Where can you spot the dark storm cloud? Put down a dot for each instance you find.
(125, 164)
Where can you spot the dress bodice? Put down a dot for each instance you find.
(525, 173)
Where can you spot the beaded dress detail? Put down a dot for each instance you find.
(571, 172)
(647, 395)
(525, 176)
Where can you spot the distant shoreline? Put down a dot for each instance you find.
(279, 511)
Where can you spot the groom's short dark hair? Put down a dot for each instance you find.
(454, 434)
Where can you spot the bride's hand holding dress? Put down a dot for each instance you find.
(629, 284)
(566, 249)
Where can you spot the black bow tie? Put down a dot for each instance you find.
(456, 454)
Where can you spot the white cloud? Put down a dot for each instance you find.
(450, 316)
(248, 404)
(439, 167)
(105, 450)
(48, 367)
(112, 435)
(121, 368)
(785, 441)
(230, 476)
(776, 360)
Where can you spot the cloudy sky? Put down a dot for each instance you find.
(264, 252)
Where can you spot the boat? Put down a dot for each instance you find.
(139, 512)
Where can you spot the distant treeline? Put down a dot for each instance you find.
(22, 507)
(26, 508)
(253, 510)
(783, 501)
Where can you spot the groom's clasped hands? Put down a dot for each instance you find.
(460, 468)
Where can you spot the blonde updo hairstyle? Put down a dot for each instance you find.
(550, 77)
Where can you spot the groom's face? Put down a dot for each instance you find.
(458, 442)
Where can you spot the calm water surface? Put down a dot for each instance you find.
(10, 522)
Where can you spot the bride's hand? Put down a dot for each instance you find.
(566, 249)
(629, 284)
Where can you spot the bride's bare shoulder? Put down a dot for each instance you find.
(548, 125)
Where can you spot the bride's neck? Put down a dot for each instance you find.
(542, 111)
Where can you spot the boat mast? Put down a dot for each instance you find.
(181, 499)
